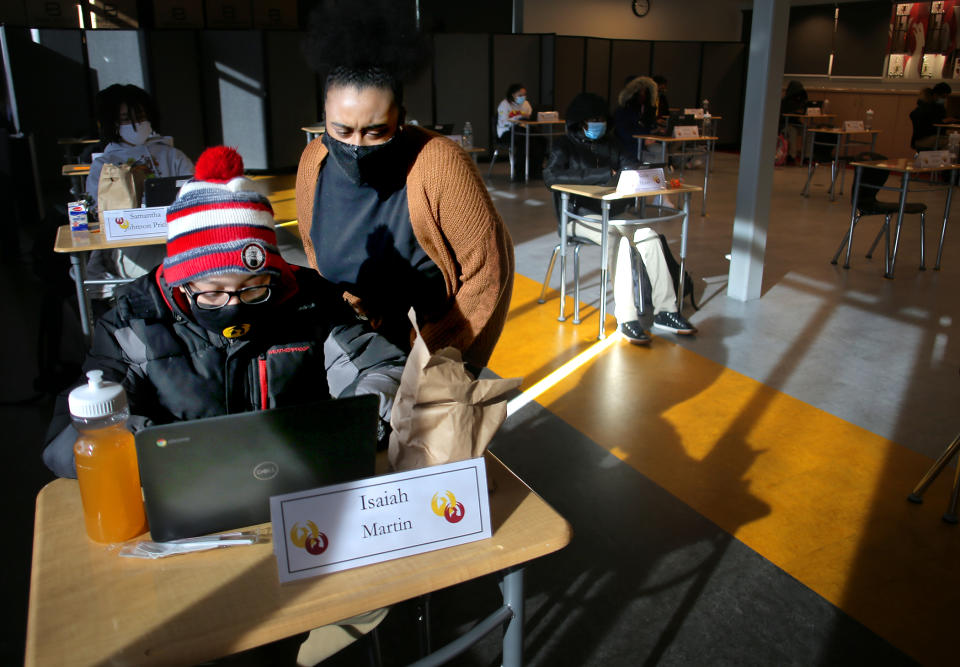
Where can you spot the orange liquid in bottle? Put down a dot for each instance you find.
(109, 484)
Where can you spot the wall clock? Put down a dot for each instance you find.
(641, 7)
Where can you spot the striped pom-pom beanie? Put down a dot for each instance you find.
(220, 223)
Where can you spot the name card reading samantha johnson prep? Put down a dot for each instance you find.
(368, 521)
(135, 223)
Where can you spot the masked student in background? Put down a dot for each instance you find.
(126, 116)
(590, 155)
(225, 325)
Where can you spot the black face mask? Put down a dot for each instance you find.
(378, 165)
(231, 321)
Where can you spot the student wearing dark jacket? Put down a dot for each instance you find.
(589, 155)
(931, 109)
(225, 325)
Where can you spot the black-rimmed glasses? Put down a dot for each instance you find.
(213, 299)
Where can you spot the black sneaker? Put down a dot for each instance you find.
(674, 322)
(633, 332)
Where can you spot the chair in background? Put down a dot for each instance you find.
(499, 144)
(577, 242)
(823, 151)
(871, 181)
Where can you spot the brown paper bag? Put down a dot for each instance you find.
(441, 413)
(120, 186)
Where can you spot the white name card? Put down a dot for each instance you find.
(696, 113)
(933, 158)
(548, 115)
(853, 126)
(135, 223)
(813, 111)
(632, 180)
(342, 526)
(686, 132)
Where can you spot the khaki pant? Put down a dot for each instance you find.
(327, 640)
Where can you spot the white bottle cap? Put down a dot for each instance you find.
(97, 398)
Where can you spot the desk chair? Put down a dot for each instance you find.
(499, 144)
(871, 182)
(825, 152)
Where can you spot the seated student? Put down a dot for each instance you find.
(931, 109)
(794, 100)
(513, 107)
(637, 114)
(225, 325)
(126, 116)
(589, 155)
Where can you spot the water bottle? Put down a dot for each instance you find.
(868, 123)
(826, 106)
(706, 106)
(467, 135)
(106, 461)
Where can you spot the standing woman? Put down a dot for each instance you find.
(396, 215)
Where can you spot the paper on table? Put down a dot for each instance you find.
(441, 414)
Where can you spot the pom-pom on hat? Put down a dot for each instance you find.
(220, 223)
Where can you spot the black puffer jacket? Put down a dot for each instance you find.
(576, 160)
(311, 347)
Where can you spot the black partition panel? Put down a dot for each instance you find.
(292, 98)
(809, 40)
(547, 72)
(461, 70)
(597, 68)
(722, 82)
(516, 59)
(418, 96)
(174, 55)
(569, 62)
(680, 63)
(629, 59)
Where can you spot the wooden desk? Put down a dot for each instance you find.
(605, 194)
(89, 606)
(665, 142)
(546, 129)
(803, 120)
(79, 245)
(840, 142)
(906, 169)
(75, 170)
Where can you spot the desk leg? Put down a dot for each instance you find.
(604, 228)
(803, 140)
(512, 589)
(564, 203)
(892, 257)
(946, 215)
(513, 127)
(805, 192)
(853, 216)
(79, 262)
(835, 167)
(526, 157)
(683, 248)
(936, 142)
(706, 176)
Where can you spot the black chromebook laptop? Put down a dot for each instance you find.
(209, 475)
(162, 191)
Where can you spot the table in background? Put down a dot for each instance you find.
(314, 131)
(803, 120)
(944, 126)
(76, 173)
(606, 194)
(89, 606)
(906, 169)
(841, 143)
(474, 152)
(69, 143)
(547, 129)
(79, 245)
(683, 153)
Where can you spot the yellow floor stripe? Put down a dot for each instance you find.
(819, 497)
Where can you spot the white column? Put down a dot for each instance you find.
(768, 39)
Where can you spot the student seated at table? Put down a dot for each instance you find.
(637, 113)
(794, 100)
(589, 155)
(513, 107)
(931, 109)
(126, 117)
(225, 325)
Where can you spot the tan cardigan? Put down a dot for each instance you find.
(457, 225)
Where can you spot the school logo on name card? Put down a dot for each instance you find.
(446, 505)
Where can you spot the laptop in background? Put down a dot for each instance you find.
(162, 190)
(209, 475)
(679, 119)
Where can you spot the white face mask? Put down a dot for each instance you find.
(137, 136)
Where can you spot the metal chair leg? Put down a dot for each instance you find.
(576, 283)
(546, 279)
(923, 222)
(886, 226)
(493, 161)
(916, 496)
(846, 239)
